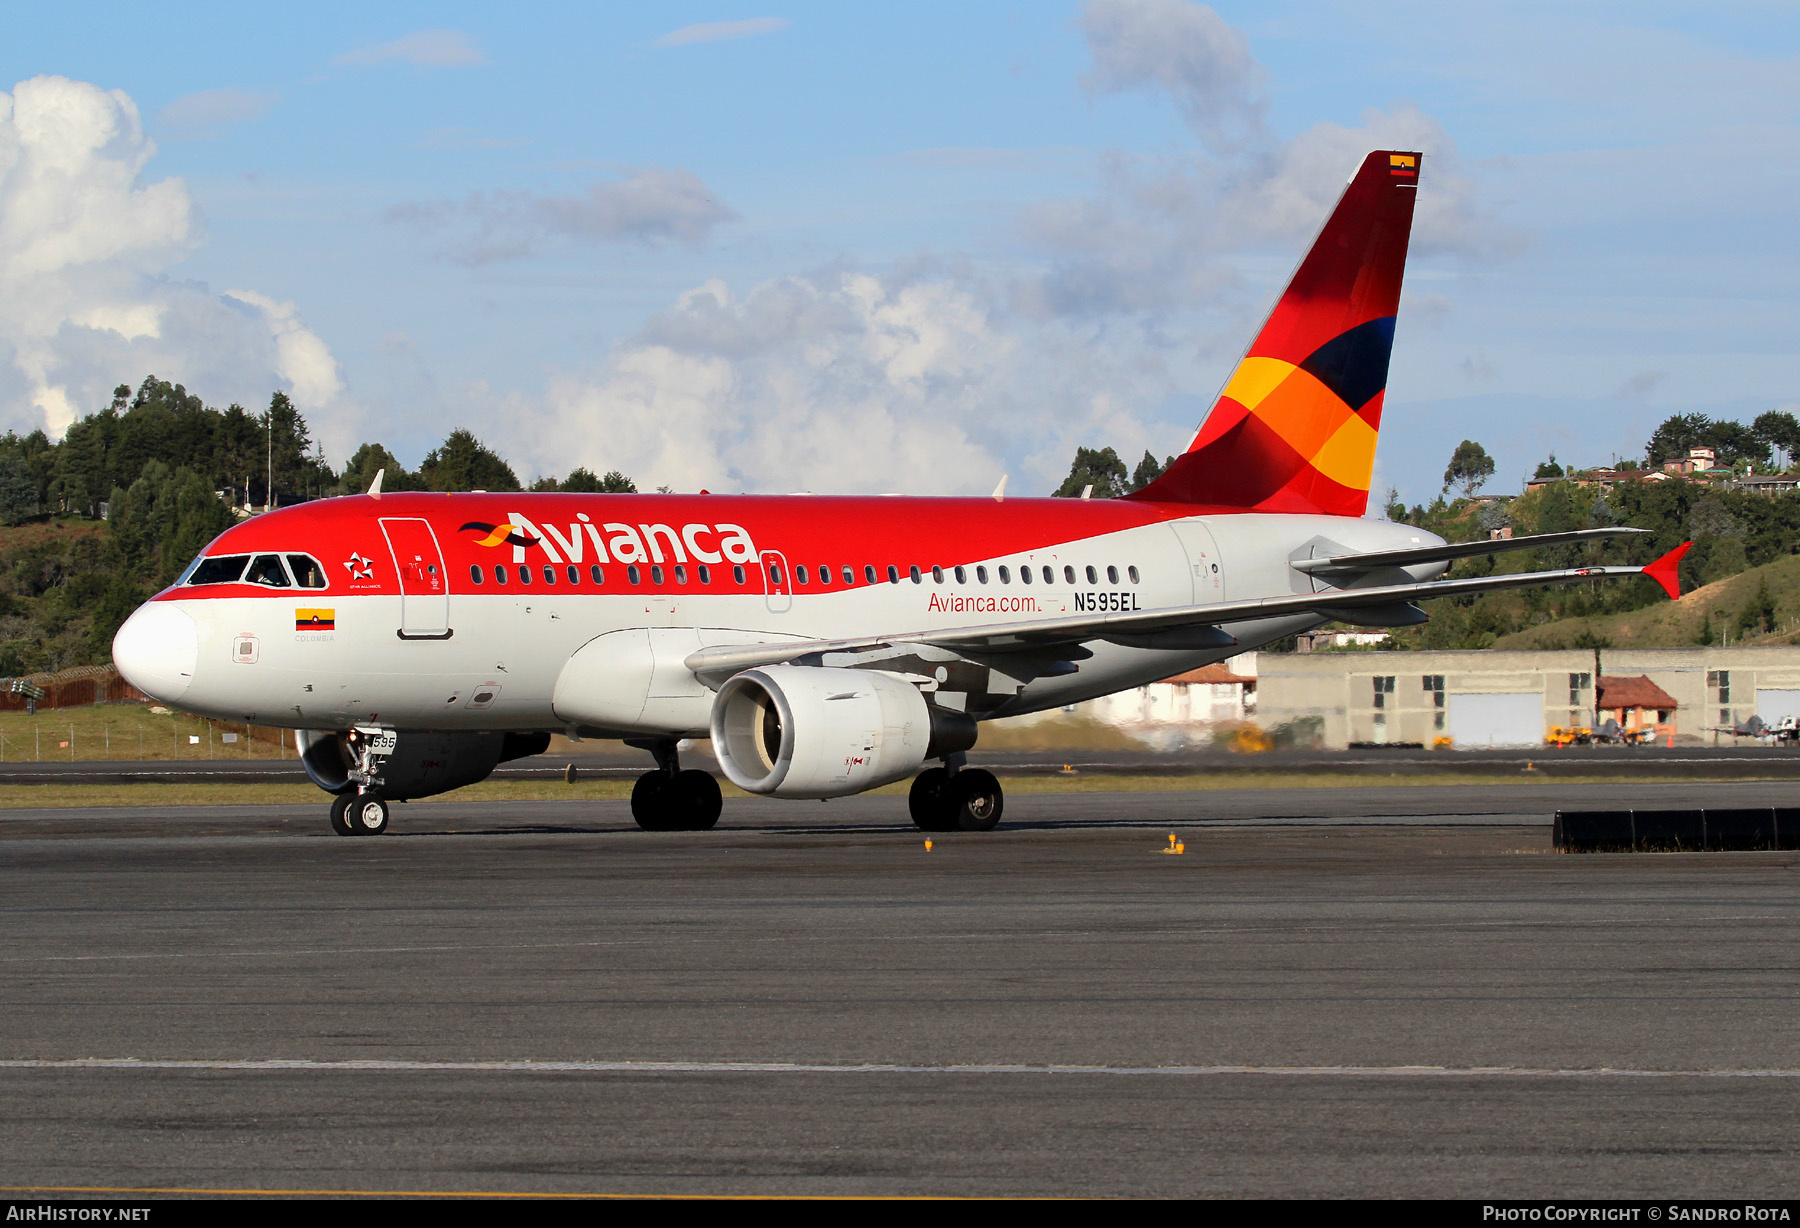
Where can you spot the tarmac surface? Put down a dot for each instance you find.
(1390, 990)
(610, 760)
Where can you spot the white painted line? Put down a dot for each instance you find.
(887, 1068)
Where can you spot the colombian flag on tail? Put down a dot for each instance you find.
(1295, 428)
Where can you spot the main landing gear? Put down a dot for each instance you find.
(669, 799)
(956, 798)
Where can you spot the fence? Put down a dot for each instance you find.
(74, 688)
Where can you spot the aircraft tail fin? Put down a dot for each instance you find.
(1295, 428)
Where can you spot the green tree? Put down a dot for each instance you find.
(1148, 470)
(1548, 471)
(1103, 470)
(463, 462)
(366, 462)
(1779, 430)
(18, 487)
(1758, 615)
(1470, 467)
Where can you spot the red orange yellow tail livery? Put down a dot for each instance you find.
(1295, 428)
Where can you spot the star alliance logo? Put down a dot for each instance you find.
(360, 568)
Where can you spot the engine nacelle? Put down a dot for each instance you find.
(423, 762)
(807, 731)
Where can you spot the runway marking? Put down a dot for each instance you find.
(377, 1065)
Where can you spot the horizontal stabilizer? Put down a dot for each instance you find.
(1664, 572)
(1355, 564)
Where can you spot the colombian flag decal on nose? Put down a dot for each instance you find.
(315, 620)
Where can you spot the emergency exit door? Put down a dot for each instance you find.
(424, 589)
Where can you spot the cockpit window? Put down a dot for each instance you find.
(225, 569)
(266, 569)
(307, 570)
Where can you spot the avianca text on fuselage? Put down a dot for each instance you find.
(619, 542)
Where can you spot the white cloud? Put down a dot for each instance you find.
(721, 31)
(1184, 49)
(653, 205)
(205, 112)
(834, 382)
(86, 301)
(423, 48)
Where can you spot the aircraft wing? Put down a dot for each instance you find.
(1352, 564)
(1391, 604)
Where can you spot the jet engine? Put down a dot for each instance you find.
(422, 762)
(809, 731)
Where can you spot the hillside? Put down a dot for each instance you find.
(1731, 608)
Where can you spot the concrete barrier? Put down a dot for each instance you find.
(1676, 831)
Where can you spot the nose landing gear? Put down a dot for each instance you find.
(969, 799)
(358, 814)
(670, 799)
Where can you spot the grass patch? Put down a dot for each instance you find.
(130, 732)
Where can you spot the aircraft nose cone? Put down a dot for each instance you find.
(156, 650)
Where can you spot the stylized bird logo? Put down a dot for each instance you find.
(507, 534)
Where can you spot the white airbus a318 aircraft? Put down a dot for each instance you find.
(826, 645)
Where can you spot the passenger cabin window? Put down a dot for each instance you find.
(1112, 575)
(634, 575)
(595, 574)
(737, 573)
(1132, 572)
(224, 570)
(680, 574)
(913, 572)
(981, 575)
(800, 574)
(937, 574)
(1050, 576)
(656, 573)
(1025, 575)
(868, 573)
(574, 574)
(524, 574)
(308, 573)
(266, 569)
(549, 574)
(1005, 576)
(893, 574)
(705, 573)
(849, 576)
(476, 574)
(499, 574)
(1094, 576)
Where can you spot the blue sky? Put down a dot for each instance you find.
(839, 248)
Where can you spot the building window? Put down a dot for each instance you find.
(1434, 684)
(1383, 688)
(1578, 684)
(1720, 682)
(1437, 721)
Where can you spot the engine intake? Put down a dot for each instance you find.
(808, 731)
